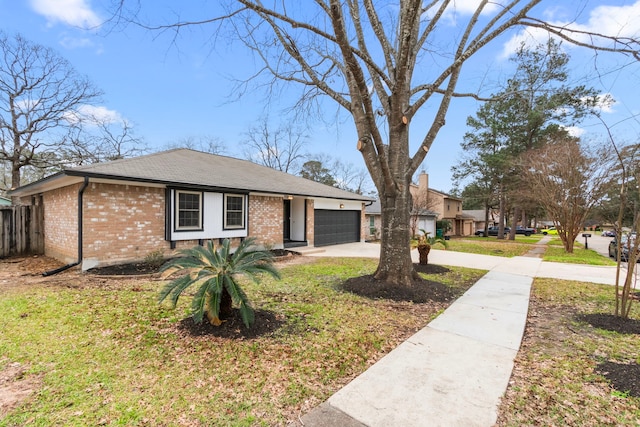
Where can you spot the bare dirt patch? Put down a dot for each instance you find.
(18, 272)
(15, 386)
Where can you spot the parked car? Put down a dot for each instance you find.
(492, 231)
(525, 230)
(609, 233)
(627, 242)
(550, 230)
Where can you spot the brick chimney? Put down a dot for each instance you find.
(423, 182)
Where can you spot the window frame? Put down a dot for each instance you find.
(177, 210)
(225, 211)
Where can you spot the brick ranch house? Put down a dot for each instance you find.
(122, 211)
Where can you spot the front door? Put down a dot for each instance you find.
(286, 225)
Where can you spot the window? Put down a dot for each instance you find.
(188, 210)
(372, 221)
(233, 211)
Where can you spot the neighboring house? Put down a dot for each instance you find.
(424, 220)
(124, 210)
(445, 206)
(4, 201)
(478, 216)
(429, 206)
(373, 220)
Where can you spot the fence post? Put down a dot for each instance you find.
(21, 230)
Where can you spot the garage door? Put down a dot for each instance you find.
(334, 227)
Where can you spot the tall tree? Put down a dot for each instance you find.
(384, 61)
(94, 138)
(536, 102)
(280, 148)
(206, 144)
(38, 91)
(567, 178)
(315, 171)
(619, 205)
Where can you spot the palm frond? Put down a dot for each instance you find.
(248, 315)
(240, 298)
(198, 304)
(174, 287)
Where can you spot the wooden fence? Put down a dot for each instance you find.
(21, 230)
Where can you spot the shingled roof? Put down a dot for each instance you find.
(189, 168)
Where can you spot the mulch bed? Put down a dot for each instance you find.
(623, 377)
(421, 292)
(132, 269)
(612, 323)
(266, 323)
(140, 268)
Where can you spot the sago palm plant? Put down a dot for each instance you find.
(215, 273)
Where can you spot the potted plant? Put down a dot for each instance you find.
(425, 243)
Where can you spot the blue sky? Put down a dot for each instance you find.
(171, 89)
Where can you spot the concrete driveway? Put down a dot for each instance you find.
(597, 242)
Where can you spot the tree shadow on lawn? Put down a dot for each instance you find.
(423, 290)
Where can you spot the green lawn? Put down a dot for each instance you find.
(556, 253)
(523, 244)
(493, 246)
(103, 352)
(577, 366)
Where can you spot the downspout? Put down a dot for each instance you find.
(83, 187)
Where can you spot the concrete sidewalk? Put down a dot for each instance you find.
(454, 371)
(553, 270)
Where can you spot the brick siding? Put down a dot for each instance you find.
(266, 216)
(123, 222)
(310, 222)
(61, 223)
(364, 225)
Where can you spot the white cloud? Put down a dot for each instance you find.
(461, 7)
(74, 42)
(469, 7)
(575, 131)
(93, 115)
(620, 21)
(530, 37)
(72, 12)
(605, 103)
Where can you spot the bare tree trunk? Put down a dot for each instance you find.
(395, 265)
(15, 178)
(501, 216)
(485, 232)
(568, 238)
(514, 223)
